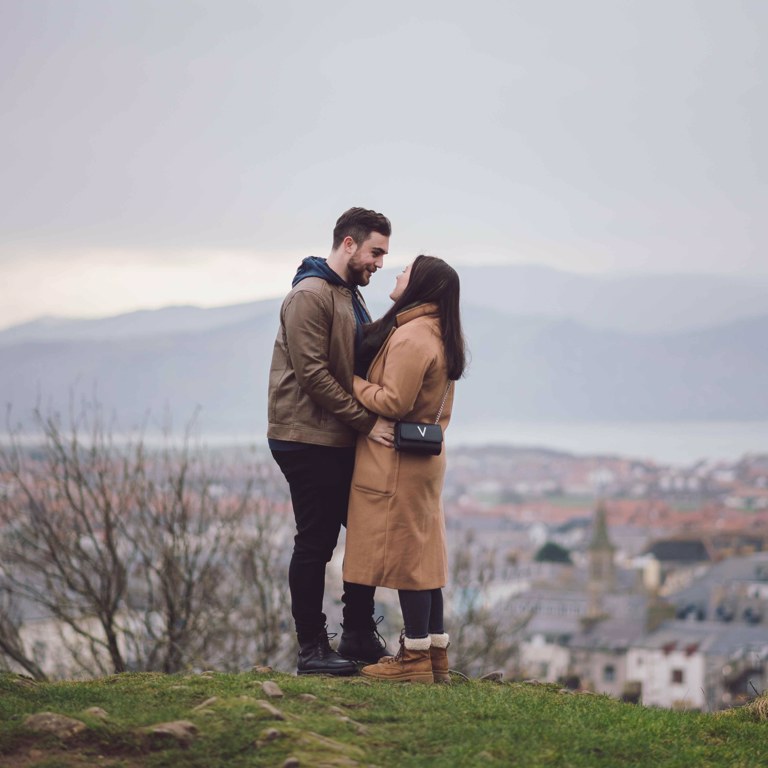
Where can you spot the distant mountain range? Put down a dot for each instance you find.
(541, 349)
(173, 320)
(635, 304)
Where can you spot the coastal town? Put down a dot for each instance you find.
(640, 580)
(644, 581)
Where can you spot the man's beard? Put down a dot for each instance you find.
(358, 275)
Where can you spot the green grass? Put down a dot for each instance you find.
(465, 724)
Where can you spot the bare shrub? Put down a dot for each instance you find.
(484, 636)
(137, 559)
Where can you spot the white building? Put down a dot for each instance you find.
(698, 665)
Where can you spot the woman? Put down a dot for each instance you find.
(395, 527)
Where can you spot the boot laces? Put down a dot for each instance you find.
(381, 640)
(324, 640)
(401, 650)
(373, 631)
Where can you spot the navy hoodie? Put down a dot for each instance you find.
(314, 266)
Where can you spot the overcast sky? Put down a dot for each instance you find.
(179, 151)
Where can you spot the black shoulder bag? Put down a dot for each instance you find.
(425, 439)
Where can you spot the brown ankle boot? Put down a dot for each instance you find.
(412, 663)
(438, 652)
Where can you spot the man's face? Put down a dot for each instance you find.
(366, 258)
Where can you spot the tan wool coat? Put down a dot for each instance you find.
(396, 526)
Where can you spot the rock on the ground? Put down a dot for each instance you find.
(206, 703)
(273, 711)
(59, 725)
(261, 670)
(494, 676)
(325, 744)
(97, 712)
(267, 735)
(291, 762)
(180, 731)
(307, 697)
(360, 729)
(272, 689)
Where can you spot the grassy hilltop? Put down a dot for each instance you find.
(231, 720)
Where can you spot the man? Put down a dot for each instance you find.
(313, 425)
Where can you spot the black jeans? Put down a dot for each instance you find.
(319, 478)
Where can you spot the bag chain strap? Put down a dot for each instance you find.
(442, 405)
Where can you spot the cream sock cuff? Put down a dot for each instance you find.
(440, 641)
(417, 643)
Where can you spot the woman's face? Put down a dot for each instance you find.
(401, 281)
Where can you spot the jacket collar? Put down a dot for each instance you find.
(420, 310)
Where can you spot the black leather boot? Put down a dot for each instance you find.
(364, 645)
(318, 658)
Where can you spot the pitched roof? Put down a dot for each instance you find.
(708, 637)
(680, 551)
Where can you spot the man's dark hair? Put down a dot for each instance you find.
(358, 223)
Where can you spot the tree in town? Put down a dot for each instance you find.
(551, 552)
(135, 558)
(484, 636)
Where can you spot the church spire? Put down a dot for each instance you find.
(602, 572)
(600, 540)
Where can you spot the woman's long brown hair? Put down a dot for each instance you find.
(431, 281)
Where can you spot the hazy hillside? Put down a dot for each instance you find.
(650, 304)
(522, 368)
(135, 324)
(637, 304)
(222, 371)
(526, 369)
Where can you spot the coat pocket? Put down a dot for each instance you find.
(376, 468)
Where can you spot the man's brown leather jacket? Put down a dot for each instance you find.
(310, 379)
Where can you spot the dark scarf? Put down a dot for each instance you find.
(374, 337)
(373, 340)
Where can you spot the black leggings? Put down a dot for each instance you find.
(422, 611)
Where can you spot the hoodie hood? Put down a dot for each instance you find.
(314, 266)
